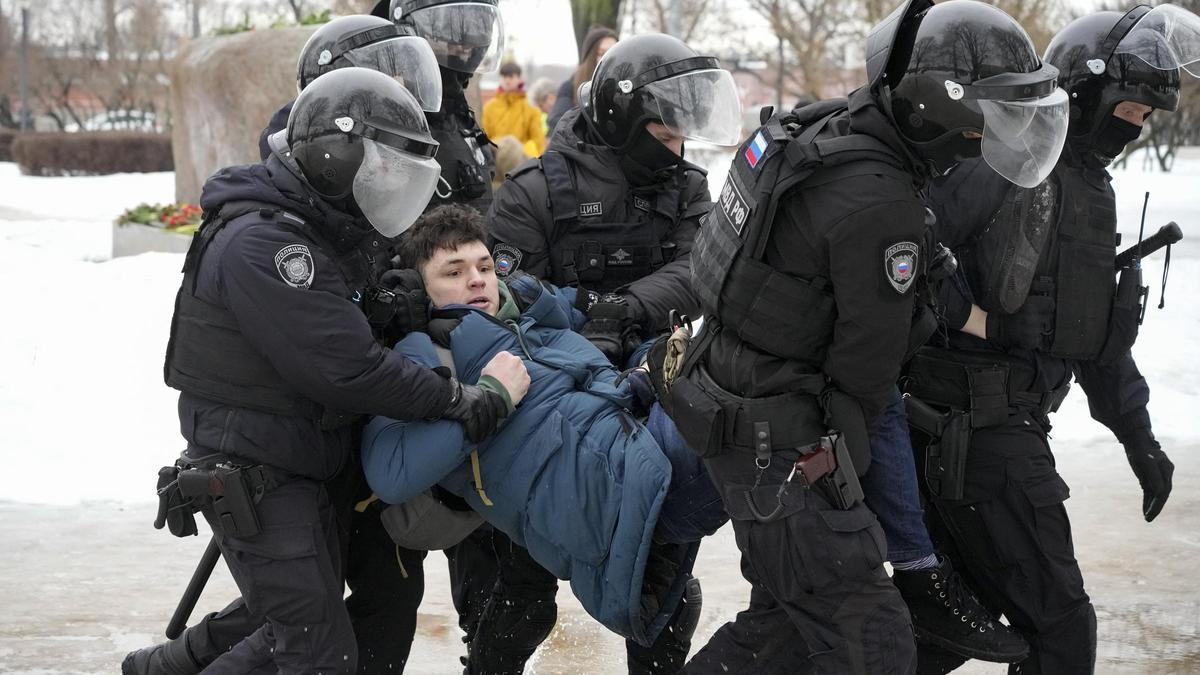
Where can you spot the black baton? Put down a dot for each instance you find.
(191, 595)
(1167, 234)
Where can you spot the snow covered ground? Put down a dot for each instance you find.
(85, 422)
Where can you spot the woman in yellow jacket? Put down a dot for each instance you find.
(511, 114)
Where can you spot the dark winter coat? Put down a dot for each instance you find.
(311, 331)
(521, 218)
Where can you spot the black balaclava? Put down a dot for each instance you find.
(648, 162)
(1112, 137)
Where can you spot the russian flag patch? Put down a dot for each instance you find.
(755, 150)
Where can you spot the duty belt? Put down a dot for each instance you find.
(763, 423)
(984, 384)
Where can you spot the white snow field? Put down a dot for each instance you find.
(85, 422)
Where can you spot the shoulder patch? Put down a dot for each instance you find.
(295, 265)
(508, 259)
(900, 265)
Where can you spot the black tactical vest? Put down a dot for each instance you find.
(208, 356)
(1068, 225)
(733, 283)
(592, 250)
(465, 155)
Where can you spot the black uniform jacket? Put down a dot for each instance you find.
(846, 232)
(310, 329)
(965, 202)
(521, 217)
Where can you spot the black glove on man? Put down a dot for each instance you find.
(610, 324)
(1028, 328)
(398, 305)
(1153, 471)
(480, 410)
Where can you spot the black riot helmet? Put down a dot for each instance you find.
(963, 66)
(359, 135)
(371, 42)
(466, 35)
(1109, 57)
(656, 77)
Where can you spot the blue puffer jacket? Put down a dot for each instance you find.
(571, 475)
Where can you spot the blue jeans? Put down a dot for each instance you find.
(890, 486)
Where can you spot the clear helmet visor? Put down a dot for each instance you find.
(1022, 139)
(702, 105)
(393, 187)
(410, 60)
(467, 37)
(1167, 38)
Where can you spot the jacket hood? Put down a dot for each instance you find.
(272, 183)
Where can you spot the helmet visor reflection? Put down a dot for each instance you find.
(392, 187)
(467, 37)
(1022, 139)
(1167, 38)
(702, 105)
(408, 59)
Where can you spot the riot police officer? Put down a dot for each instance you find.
(610, 208)
(806, 270)
(1038, 302)
(276, 363)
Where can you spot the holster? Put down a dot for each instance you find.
(842, 485)
(230, 491)
(946, 455)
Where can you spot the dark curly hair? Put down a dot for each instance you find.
(445, 227)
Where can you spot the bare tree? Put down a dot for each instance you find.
(813, 29)
(692, 13)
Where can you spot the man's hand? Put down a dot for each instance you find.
(1153, 470)
(611, 328)
(398, 305)
(511, 373)
(1027, 328)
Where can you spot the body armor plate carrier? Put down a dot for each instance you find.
(208, 356)
(730, 278)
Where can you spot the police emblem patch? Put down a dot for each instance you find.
(295, 265)
(900, 265)
(508, 259)
(620, 258)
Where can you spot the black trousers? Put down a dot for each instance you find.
(820, 600)
(387, 583)
(519, 611)
(1011, 538)
(290, 573)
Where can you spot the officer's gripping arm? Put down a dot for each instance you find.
(518, 225)
(873, 315)
(670, 287)
(316, 337)
(1117, 397)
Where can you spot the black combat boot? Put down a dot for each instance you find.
(167, 658)
(946, 613)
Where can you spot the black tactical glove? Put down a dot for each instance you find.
(611, 327)
(1153, 471)
(480, 410)
(398, 305)
(1028, 328)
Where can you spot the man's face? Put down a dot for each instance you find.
(669, 138)
(1132, 112)
(462, 276)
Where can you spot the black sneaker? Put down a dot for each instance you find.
(946, 613)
